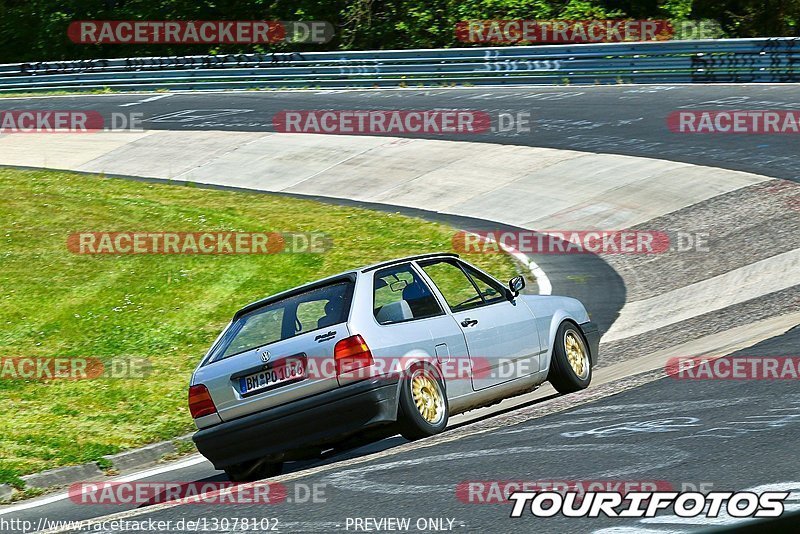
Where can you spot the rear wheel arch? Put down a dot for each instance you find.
(430, 362)
(411, 423)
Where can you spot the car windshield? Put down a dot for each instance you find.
(314, 309)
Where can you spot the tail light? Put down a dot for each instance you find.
(350, 354)
(200, 402)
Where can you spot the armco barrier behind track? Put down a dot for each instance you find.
(707, 61)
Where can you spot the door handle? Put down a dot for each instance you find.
(466, 323)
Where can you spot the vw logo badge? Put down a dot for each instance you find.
(265, 356)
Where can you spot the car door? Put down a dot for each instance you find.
(502, 340)
(413, 323)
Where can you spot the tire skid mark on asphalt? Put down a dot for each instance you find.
(774, 418)
(620, 411)
(627, 428)
(536, 411)
(369, 458)
(354, 479)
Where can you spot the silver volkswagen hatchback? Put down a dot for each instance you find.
(394, 347)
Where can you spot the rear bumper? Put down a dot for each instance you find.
(592, 335)
(309, 423)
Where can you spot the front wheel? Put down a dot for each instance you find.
(252, 471)
(570, 366)
(423, 403)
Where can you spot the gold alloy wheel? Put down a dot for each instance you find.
(576, 354)
(427, 396)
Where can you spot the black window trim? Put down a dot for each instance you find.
(421, 278)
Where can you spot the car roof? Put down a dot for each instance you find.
(407, 258)
(341, 277)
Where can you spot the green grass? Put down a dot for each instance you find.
(60, 92)
(166, 308)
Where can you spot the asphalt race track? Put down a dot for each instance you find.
(630, 120)
(676, 434)
(684, 434)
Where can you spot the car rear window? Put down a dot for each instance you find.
(314, 309)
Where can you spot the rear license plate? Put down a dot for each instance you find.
(278, 374)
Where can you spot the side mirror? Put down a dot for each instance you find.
(516, 285)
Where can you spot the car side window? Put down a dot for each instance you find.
(456, 287)
(401, 295)
(490, 289)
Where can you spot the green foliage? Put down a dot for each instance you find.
(678, 9)
(36, 30)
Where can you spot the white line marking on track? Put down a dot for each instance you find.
(151, 99)
(355, 479)
(447, 437)
(188, 462)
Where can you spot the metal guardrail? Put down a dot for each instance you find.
(705, 61)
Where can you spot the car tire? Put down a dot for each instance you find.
(252, 471)
(423, 407)
(571, 364)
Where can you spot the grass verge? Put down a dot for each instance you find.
(165, 308)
